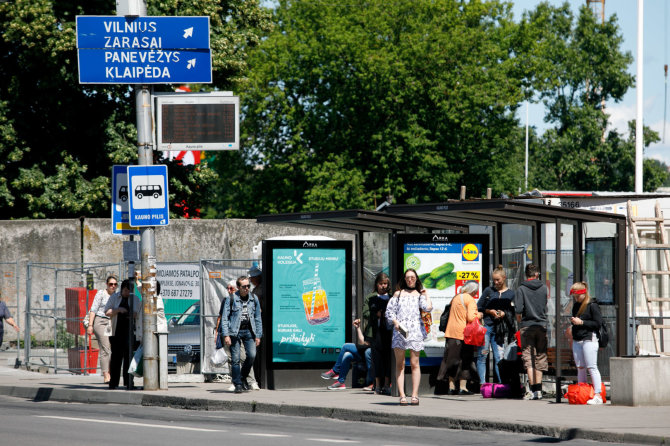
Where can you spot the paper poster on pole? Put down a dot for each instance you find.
(309, 295)
(444, 263)
(179, 280)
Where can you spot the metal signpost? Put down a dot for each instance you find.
(131, 48)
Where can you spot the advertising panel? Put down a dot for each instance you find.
(309, 295)
(179, 280)
(444, 263)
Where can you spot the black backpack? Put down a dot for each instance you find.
(444, 317)
(603, 335)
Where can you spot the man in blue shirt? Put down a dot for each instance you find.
(241, 323)
(6, 315)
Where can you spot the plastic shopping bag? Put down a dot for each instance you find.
(475, 333)
(219, 358)
(137, 364)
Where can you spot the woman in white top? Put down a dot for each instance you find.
(98, 323)
(403, 310)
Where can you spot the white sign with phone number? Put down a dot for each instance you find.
(179, 280)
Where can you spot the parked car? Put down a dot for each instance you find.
(184, 338)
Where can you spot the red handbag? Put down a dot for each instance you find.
(475, 333)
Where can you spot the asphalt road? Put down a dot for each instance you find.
(29, 423)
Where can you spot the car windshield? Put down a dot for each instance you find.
(191, 316)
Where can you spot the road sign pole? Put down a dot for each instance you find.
(148, 242)
(148, 246)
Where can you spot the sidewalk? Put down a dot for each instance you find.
(639, 425)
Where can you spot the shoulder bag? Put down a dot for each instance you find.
(426, 317)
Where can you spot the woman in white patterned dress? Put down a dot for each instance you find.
(403, 311)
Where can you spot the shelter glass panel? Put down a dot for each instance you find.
(517, 245)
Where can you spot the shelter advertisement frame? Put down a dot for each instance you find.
(444, 263)
(308, 286)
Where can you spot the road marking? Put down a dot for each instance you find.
(333, 440)
(264, 435)
(130, 423)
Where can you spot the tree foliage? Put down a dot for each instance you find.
(344, 103)
(58, 139)
(579, 65)
(348, 102)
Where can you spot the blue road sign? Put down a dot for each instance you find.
(120, 203)
(144, 67)
(148, 195)
(143, 50)
(112, 32)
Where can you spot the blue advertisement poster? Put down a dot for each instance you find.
(444, 263)
(309, 298)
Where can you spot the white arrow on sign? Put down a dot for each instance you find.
(191, 64)
(188, 32)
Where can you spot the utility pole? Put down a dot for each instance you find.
(639, 129)
(147, 239)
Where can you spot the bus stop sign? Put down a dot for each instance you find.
(148, 195)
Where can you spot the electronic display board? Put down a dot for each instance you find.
(197, 121)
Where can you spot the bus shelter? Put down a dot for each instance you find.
(568, 245)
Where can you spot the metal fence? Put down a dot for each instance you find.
(51, 338)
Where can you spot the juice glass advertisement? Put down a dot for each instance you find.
(444, 263)
(309, 299)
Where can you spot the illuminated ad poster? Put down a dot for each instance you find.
(444, 263)
(309, 296)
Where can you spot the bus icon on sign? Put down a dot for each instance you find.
(150, 190)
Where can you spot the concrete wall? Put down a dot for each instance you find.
(36, 241)
(640, 381)
(63, 244)
(191, 240)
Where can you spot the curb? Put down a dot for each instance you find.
(176, 402)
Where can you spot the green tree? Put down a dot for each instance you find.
(58, 139)
(577, 66)
(348, 102)
(655, 174)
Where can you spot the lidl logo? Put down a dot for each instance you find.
(470, 252)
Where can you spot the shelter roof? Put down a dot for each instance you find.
(454, 215)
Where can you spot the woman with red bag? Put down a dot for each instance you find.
(457, 363)
(586, 320)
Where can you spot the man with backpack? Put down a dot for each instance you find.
(241, 324)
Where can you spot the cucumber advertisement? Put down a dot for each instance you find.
(310, 294)
(444, 263)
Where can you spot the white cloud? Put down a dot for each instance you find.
(620, 114)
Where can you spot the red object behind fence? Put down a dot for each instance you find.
(78, 362)
(77, 302)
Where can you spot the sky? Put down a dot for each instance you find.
(655, 56)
